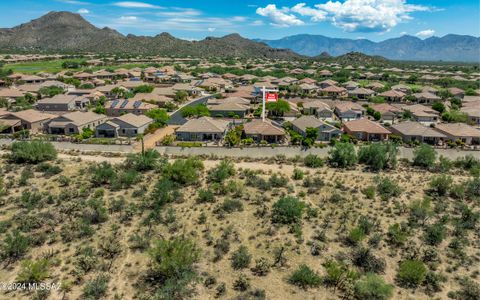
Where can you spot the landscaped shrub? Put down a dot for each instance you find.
(424, 156)
(241, 258)
(33, 152)
(313, 161)
(305, 277)
(387, 189)
(379, 156)
(343, 155)
(287, 210)
(373, 287)
(411, 273)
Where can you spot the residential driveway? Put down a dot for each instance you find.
(151, 139)
(176, 116)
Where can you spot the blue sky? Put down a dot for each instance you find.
(196, 19)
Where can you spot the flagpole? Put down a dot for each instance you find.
(263, 104)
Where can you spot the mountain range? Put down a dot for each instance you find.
(448, 48)
(68, 32)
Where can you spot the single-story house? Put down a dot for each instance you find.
(393, 95)
(414, 131)
(326, 132)
(128, 125)
(74, 122)
(389, 112)
(361, 93)
(366, 130)
(260, 130)
(124, 106)
(460, 131)
(30, 119)
(62, 102)
(423, 114)
(348, 111)
(320, 109)
(334, 91)
(426, 97)
(203, 129)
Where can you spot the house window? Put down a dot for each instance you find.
(70, 130)
(135, 131)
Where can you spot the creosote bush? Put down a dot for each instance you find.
(411, 273)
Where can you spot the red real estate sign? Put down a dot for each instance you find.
(271, 97)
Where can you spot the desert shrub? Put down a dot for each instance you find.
(205, 196)
(435, 234)
(241, 258)
(14, 246)
(95, 212)
(30, 200)
(369, 192)
(379, 156)
(223, 171)
(278, 180)
(469, 290)
(366, 224)
(183, 171)
(397, 234)
(262, 267)
(96, 288)
(440, 185)
(305, 277)
(424, 156)
(387, 188)
(143, 161)
(373, 287)
(125, 179)
(163, 192)
(287, 210)
(433, 282)
(33, 271)
(343, 155)
(32, 152)
(468, 218)
(313, 161)
(48, 169)
(411, 273)
(172, 262)
(298, 174)
(242, 283)
(103, 173)
(472, 188)
(337, 274)
(355, 236)
(420, 211)
(231, 205)
(364, 259)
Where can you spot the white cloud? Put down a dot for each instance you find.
(212, 29)
(132, 4)
(73, 2)
(83, 11)
(258, 23)
(350, 15)
(180, 12)
(315, 14)
(425, 33)
(403, 33)
(279, 17)
(127, 19)
(369, 15)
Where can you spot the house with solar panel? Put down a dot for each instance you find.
(128, 125)
(120, 107)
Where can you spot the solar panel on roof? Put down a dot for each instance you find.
(125, 102)
(114, 103)
(137, 104)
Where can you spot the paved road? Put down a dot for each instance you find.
(176, 116)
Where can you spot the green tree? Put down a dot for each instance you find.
(278, 108)
(311, 137)
(181, 96)
(287, 210)
(159, 115)
(379, 156)
(343, 155)
(424, 156)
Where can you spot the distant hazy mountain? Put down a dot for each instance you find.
(69, 33)
(448, 48)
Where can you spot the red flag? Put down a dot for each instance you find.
(271, 97)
